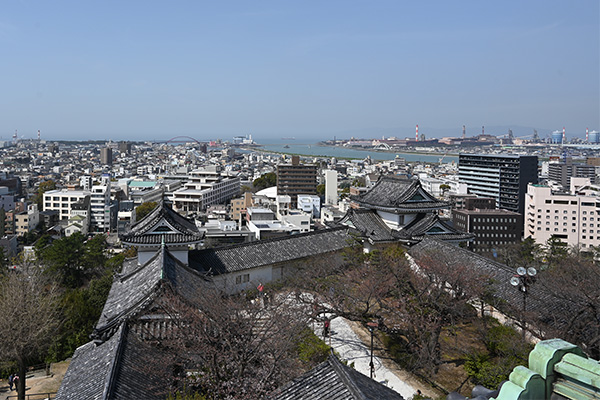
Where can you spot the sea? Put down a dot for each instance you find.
(317, 150)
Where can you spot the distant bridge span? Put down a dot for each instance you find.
(183, 139)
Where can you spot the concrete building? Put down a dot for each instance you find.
(331, 186)
(310, 204)
(7, 199)
(240, 205)
(562, 173)
(26, 221)
(197, 195)
(503, 177)
(572, 217)
(295, 178)
(491, 227)
(100, 206)
(61, 200)
(106, 156)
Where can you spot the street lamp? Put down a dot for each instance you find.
(522, 280)
(372, 326)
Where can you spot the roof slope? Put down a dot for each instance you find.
(162, 225)
(538, 299)
(399, 195)
(370, 225)
(120, 368)
(333, 380)
(88, 375)
(265, 252)
(132, 291)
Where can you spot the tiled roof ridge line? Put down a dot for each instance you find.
(348, 382)
(129, 312)
(498, 264)
(276, 239)
(111, 377)
(123, 278)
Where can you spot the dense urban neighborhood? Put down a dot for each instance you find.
(223, 270)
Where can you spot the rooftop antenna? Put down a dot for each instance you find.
(417, 134)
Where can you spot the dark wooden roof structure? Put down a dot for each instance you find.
(400, 196)
(333, 380)
(223, 260)
(369, 225)
(133, 291)
(162, 225)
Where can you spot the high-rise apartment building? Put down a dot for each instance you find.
(106, 156)
(295, 178)
(562, 173)
(331, 186)
(501, 176)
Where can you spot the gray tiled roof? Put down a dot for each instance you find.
(417, 229)
(370, 225)
(119, 369)
(511, 299)
(90, 370)
(255, 254)
(185, 230)
(332, 380)
(395, 194)
(133, 290)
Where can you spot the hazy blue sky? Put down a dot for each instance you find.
(310, 69)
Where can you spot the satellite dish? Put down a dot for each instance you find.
(531, 271)
(515, 281)
(521, 271)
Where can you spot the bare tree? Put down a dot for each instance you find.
(29, 305)
(230, 347)
(574, 284)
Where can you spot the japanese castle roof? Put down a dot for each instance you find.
(244, 256)
(368, 224)
(162, 225)
(510, 300)
(133, 290)
(335, 381)
(399, 195)
(113, 370)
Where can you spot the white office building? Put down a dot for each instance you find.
(573, 217)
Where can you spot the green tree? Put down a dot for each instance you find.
(321, 189)
(266, 180)
(63, 259)
(45, 186)
(144, 209)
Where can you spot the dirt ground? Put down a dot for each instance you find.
(38, 382)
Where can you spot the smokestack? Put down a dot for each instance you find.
(564, 135)
(483, 130)
(417, 134)
(587, 135)
(464, 132)
(38, 134)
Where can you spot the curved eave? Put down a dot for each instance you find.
(404, 210)
(144, 241)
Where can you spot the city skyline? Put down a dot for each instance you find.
(152, 71)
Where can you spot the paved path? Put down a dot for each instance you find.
(352, 349)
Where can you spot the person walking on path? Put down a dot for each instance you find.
(10, 381)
